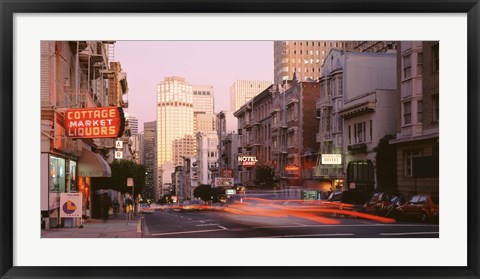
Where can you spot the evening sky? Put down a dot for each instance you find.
(216, 63)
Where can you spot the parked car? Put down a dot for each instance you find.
(419, 207)
(382, 203)
(335, 196)
(349, 199)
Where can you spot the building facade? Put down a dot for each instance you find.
(174, 122)
(254, 124)
(304, 58)
(242, 91)
(149, 160)
(203, 108)
(207, 157)
(74, 75)
(296, 127)
(357, 93)
(417, 137)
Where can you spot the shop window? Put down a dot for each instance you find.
(57, 175)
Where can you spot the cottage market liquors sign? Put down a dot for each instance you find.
(102, 122)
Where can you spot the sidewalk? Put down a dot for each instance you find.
(115, 227)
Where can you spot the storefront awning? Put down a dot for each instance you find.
(93, 165)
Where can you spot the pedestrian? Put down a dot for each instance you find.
(106, 204)
(115, 206)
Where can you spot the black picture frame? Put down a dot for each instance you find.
(10, 7)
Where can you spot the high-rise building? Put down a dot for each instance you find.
(203, 98)
(243, 91)
(305, 58)
(174, 116)
(132, 123)
(203, 108)
(174, 121)
(148, 159)
(301, 57)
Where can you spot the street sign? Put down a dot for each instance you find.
(230, 192)
(118, 154)
(119, 144)
(130, 181)
(223, 181)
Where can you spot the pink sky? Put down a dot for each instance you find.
(216, 63)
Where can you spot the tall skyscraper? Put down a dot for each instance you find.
(174, 118)
(203, 98)
(243, 91)
(149, 155)
(301, 57)
(203, 108)
(305, 58)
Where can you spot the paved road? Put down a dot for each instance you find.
(211, 224)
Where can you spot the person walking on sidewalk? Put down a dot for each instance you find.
(106, 204)
(115, 206)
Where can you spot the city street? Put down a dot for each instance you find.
(218, 224)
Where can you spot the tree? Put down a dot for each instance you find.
(121, 170)
(264, 177)
(386, 164)
(203, 191)
(166, 199)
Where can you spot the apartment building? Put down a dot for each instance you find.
(417, 137)
(357, 97)
(74, 76)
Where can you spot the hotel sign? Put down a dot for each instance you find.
(247, 160)
(331, 159)
(102, 122)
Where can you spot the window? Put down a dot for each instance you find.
(349, 135)
(359, 132)
(419, 63)
(340, 86)
(407, 67)
(435, 59)
(371, 130)
(436, 108)
(409, 155)
(407, 113)
(420, 111)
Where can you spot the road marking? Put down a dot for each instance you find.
(204, 225)
(223, 227)
(340, 225)
(298, 224)
(409, 233)
(186, 232)
(320, 234)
